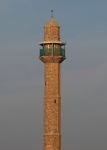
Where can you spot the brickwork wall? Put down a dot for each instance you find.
(52, 107)
(51, 33)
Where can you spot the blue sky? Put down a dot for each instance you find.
(84, 72)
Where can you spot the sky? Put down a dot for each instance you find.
(83, 73)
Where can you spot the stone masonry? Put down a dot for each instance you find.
(52, 107)
(52, 98)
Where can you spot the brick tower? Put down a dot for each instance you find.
(52, 54)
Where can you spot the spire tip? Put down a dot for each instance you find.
(52, 13)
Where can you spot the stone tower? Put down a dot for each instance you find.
(52, 54)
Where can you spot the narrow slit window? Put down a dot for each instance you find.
(55, 101)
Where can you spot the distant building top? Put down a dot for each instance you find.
(51, 22)
(51, 30)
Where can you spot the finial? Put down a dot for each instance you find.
(51, 13)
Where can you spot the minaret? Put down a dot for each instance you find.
(52, 54)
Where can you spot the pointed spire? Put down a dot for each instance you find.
(52, 21)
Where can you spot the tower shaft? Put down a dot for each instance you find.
(52, 107)
(52, 54)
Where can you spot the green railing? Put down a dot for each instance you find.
(52, 52)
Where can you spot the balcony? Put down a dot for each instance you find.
(52, 52)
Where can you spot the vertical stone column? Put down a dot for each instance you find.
(52, 107)
(52, 54)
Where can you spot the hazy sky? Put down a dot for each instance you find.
(84, 73)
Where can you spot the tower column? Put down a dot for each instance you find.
(52, 107)
(52, 54)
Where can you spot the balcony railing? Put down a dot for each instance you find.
(52, 52)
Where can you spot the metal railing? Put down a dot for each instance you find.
(52, 52)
